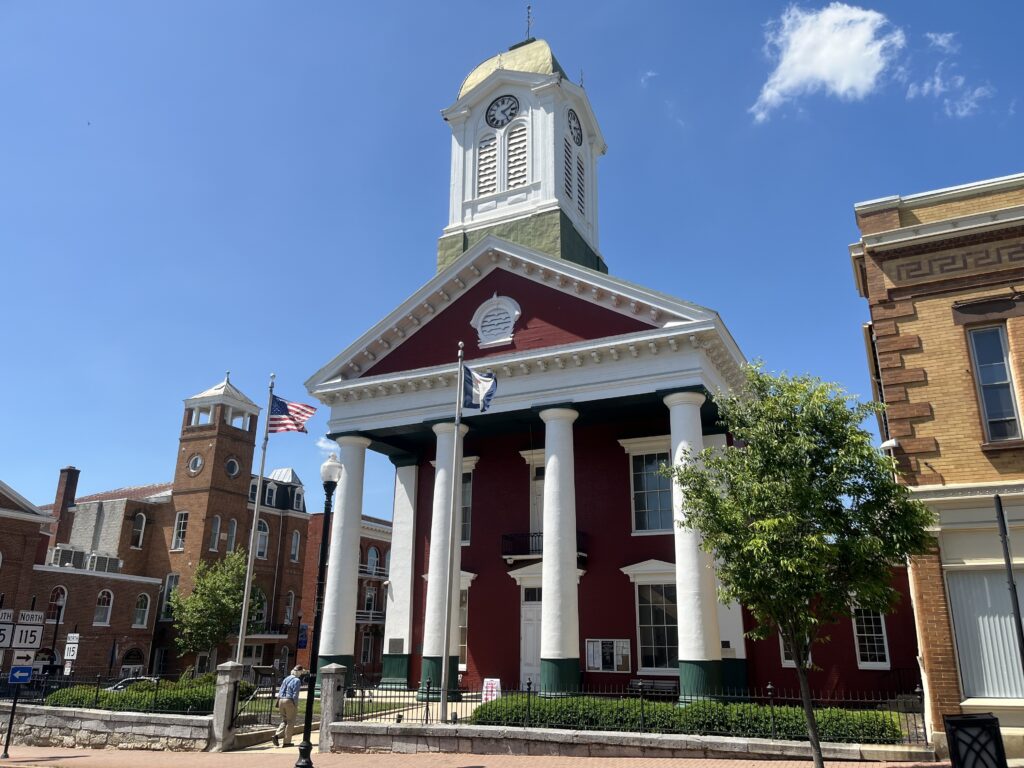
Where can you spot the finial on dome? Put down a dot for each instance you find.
(227, 377)
(529, 20)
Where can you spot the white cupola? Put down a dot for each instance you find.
(525, 145)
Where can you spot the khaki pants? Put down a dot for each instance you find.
(287, 709)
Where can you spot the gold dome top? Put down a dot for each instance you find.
(529, 56)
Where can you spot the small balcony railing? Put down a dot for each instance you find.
(532, 544)
(373, 571)
(266, 628)
(369, 617)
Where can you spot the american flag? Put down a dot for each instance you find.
(289, 417)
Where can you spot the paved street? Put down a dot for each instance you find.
(269, 757)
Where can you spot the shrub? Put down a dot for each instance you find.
(194, 696)
(700, 717)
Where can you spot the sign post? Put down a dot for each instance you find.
(25, 637)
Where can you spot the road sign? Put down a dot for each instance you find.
(6, 633)
(71, 651)
(7, 615)
(21, 658)
(27, 636)
(19, 675)
(31, 617)
(72, 638)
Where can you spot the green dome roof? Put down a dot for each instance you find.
(530, 56)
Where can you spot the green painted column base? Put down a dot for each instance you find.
(734, 675)
(559, 675)
(699, 678)
(431, 670)
(347, 660)
(394, 672)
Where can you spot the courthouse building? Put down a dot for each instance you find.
(943, 275)
(570, 570)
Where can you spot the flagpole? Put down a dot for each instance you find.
(456, 494)
(243, 626)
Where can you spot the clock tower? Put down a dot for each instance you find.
(525, 145)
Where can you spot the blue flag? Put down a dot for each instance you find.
(478, 389)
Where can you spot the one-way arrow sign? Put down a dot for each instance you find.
(19, 675)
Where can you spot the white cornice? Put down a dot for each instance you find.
(650, 572)
(977, 491)
(28, 509)
(653, 444)
(947, 194)
(78, 572)
(939, 230)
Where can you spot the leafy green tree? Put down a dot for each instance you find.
(206, 616)
(803, 515)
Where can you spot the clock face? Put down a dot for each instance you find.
(575, 128)
(502, 111)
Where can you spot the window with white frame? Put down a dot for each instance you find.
(214, 533)
(170, 585)
(372, 560)
(463, 629)
(370, 598)
(180, 529)
(270, 495)
(608, 656)
(296, 541)
(252, 491)
(872, 643)
(995, 383)
(262, 539)
(138, 530)
(289, 607)
(467, 506)
(787, 657)
(232, 534)
(55, 606)
(141, 616)
(651, 491)
(104, 602)
(297, 503)
(657, 626)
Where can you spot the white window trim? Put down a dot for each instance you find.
(297, 502)
(639, 446)
(215, 534)
(295, 547)
(110, 609)
(976, 374)
(468, 466)
(63, 611)
(232, 539)
(135, 609)
(174, 532)
(887, 664)
(651, 572)
(790, 664)
(266, 551)
(142, 533)
(629, 652)
(166, 602)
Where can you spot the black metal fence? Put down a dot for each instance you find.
(255, 706)
(170, 694)
(771, 714)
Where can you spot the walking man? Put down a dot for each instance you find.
(287, 705)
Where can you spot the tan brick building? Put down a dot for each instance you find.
(943, 274)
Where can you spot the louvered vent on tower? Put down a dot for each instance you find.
(517, 156)
(568, 168)
(487, 166)
(580, 197)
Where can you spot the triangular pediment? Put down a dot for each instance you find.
(561, 304)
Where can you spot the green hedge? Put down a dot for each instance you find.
(193, 695)
(704, 717)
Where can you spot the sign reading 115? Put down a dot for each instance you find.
(27, 636)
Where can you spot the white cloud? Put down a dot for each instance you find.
(841, 49)
(936, 85)
(326, 446)
(646, 77)
(966, 101)
(943, 41)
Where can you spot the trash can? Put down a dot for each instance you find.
(975, 741)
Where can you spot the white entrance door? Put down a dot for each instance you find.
(529, 637)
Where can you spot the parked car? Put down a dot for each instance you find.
(128, 682)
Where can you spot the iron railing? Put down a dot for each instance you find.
(373, 571)
(642, 708)
(369, 617)
(532, 544)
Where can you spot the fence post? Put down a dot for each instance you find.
(771, 704)
(332, 701)
(225, 705)
(640, 686)
(96, 696)
(919, 691)
(529, 690)
(426, 705)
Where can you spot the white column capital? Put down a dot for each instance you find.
(559, 414)
(684, 398)
(448, 427)
(354, 441)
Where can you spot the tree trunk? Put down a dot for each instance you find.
(812, 722)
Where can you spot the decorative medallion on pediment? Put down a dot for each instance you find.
(495, 321)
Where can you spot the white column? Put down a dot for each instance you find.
(398, 620)
(696, 599)
(440, 538)
(559, 612)
(338, 635)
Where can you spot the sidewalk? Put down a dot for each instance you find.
(269, 757)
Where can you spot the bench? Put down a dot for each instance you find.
(655, 689)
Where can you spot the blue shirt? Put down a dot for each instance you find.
(290, 688)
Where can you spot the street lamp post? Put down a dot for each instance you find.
(330, 474)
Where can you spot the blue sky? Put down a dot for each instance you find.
(192, 187)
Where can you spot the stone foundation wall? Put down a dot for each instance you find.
(37, 726)
(500, 740)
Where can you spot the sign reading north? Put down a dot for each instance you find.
(31, 617)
